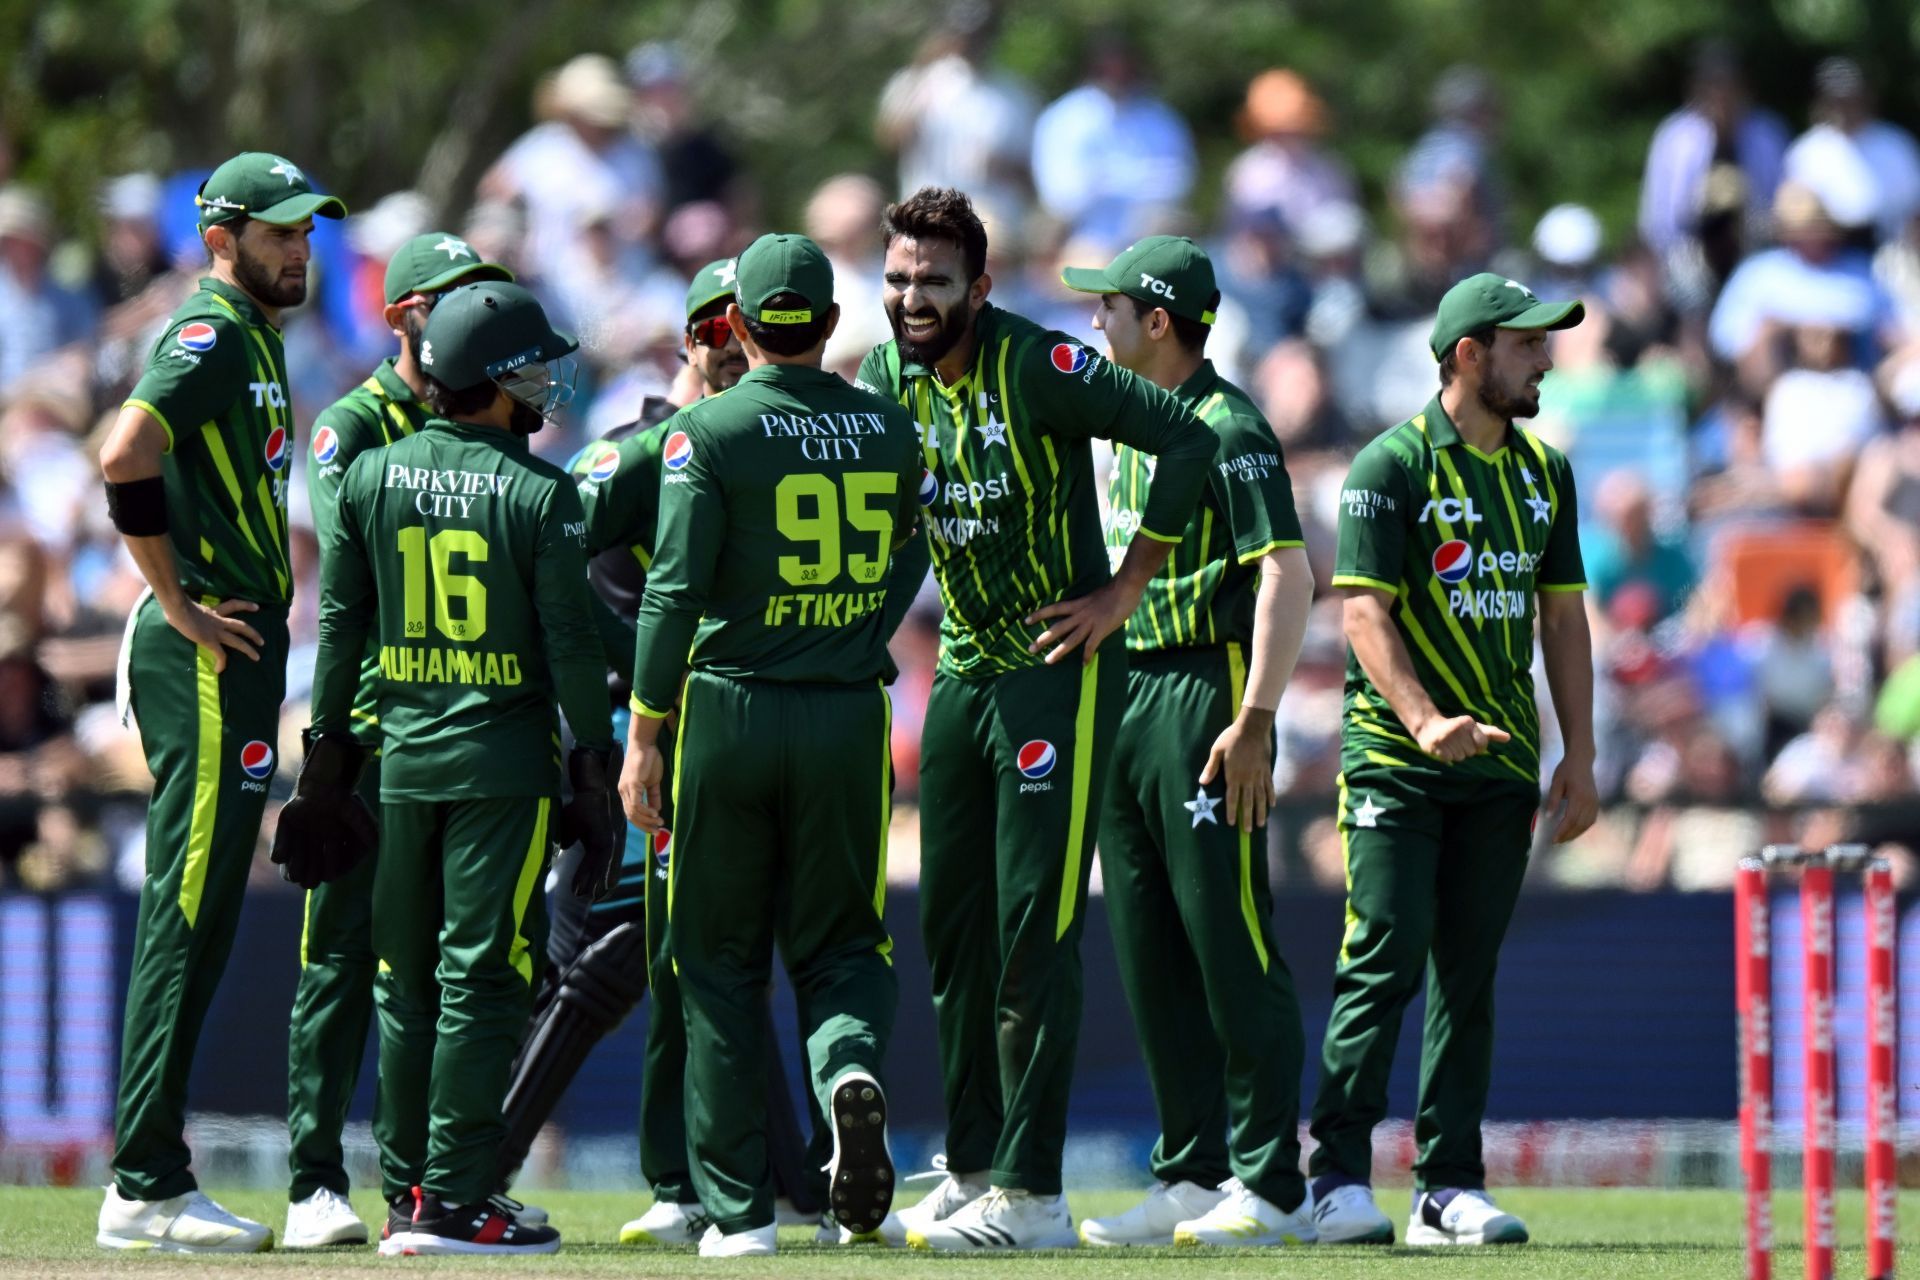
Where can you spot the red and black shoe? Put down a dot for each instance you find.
(399, 1215)
(436, 1228)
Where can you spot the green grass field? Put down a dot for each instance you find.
(49, 1234)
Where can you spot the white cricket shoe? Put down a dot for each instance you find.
(1003, 1218)
(1151, 1222)
(954, 1192)
(527, 1215)
(321, 1219)
(1470, 1217)
(1348, 1215)
(1245, 1218)
(667, 1223)
(754, 1242)
(191, 1223)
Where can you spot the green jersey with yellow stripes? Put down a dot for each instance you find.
(371, 416)
(1464, 540)
(461, 556)
(1008, 487)
(1204, 594)
(217, 383)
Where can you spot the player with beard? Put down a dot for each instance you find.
(1457, 529)
(196, 466)
(1026, 704)
(333, 1004)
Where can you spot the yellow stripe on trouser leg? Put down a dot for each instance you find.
(886, 816)
(306, 925)
(1346, 866)
(523, 891)
(1082, 784)
(206, 782)
(1237, 690)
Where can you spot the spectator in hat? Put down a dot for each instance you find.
(1719, 124)
(695, 162)
(131, 253)
(1866, 171)
(1819, 415)
(1286, 170)
(583, 157)
(37, 314)
(1567, 240)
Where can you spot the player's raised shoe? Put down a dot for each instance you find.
(860, 1176)
(667, 1223)
(1344, 1213)
(1151, 1222)
(1003, 1218)
(954, 1192)
(527, 1215)
(192, 1223)
(754, 1242)
(1461, 1215)
(439, 1229)
(321, 1219)
(1246, 1219)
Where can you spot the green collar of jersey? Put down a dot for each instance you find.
(393, 384)
(474, 431)
(1199, 386)
(984, 326)
(245, 306)
(1441, 432)
(788, 375)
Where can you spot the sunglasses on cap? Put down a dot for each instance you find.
(714, 331)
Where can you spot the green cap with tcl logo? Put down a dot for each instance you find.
(1165, 271)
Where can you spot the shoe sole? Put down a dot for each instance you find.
(861, 1174)
(107, 1240)
(1381, 1235)
(356, 1234)
(1422, 1236)
(917, 1241)
(1095, 1242)
(1193, 1239)
(637, 1236)
(420, 1244)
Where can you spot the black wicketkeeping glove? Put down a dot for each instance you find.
(595, 820)
(326, 829)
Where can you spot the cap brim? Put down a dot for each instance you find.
(310, 204)
(1088, 280)
(465, 273)
(566, 342)
(1548, 315)
(704, 303)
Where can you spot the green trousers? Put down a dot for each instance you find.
(1190, 908)
(1434, 866)
(208, 739)
(663, 1095)
(1011, 778)
(782, 799)
(332, 1013)
(458, 923)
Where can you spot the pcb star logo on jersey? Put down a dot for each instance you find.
(1367, 813)
(1202, 807)
(1541, 508)
(993, 431)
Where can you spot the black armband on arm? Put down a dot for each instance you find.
(138, 508)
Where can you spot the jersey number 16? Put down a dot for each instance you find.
(415, 554)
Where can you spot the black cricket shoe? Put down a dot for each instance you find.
(435, 1228)
(399, 1215)
(861, 1175)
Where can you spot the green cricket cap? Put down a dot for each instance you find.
(265, 187)
(435, 261)
(1166, 271)
(776, 264)
(710, 284)
(485, 330)
(1490, 299)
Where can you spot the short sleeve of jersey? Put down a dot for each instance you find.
(619, 487)
(194, 374)
(1561, 566)
(1374, 516)
(1250, 478)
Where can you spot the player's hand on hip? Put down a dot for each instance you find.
(640, 779)
(1574, 796)
(218, 629)
(1080, 623)
(1457, 738)
(1244, 754)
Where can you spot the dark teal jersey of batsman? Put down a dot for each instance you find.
(1464, 541)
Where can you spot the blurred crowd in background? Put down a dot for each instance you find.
(1742, 404)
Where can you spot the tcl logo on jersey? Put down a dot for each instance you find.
(1068, 358)
(1452, 561)
(929, 488)
(276, 450)
(1451, 511)
(679, 451)
(607, 463)
(256, 761)
(267, 394)
(326, 445)
(197, 337)
(662, 852)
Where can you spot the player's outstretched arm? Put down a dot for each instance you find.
(1567, 649)
(1243, 752)
(1368, 622)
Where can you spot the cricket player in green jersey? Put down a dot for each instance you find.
(1210, 647)
(1457, 532)
(459, 555)
(1025, 706)
(197, 465)
(783, 504)
(333, 1004)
